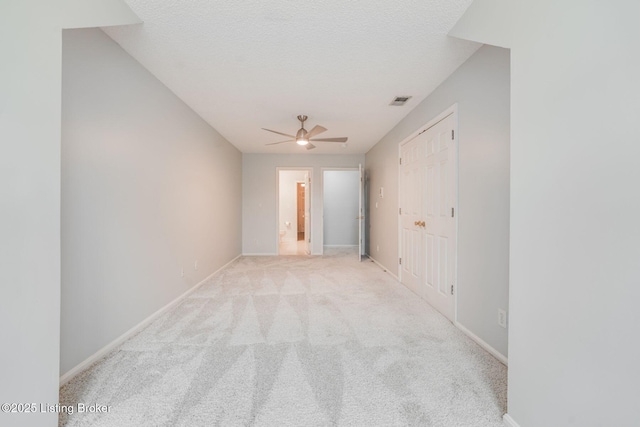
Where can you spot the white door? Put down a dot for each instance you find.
(440, 204)
(412, 241)
(360, 215)
(307, 213)
(427, 208)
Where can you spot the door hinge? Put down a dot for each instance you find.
(400, 160)
(452, 212)
(400, 261)
(451, 289)
(453, 134)
(400, 211)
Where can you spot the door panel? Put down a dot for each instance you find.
(441, 224)
(427, 197)
(300, 209)
(361, 215)
(411, 212)
(307, 213)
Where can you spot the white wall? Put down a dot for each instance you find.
(259, 204)
(288, 206)
(480, 87)
(148, 188)
(575, 169)
(30, 85)
(340, 207)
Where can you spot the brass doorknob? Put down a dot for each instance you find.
(422, 223)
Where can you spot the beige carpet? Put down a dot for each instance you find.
(295, 341)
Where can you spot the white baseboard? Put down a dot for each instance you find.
(383, 267)
(259, 254)
(340, 246)
(131, 332)
(509, 422)
(495, 353)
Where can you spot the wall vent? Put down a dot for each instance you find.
(400, 100)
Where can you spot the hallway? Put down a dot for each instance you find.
(275, 341)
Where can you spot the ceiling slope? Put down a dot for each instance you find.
(244, 66)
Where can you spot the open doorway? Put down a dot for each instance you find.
(341, 204)
(294, 213)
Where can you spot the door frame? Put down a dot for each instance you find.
(322, 170)
(452, 110)
(308, 194)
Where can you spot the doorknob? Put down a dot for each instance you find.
(422, 224)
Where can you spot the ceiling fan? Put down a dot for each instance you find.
(304, 137)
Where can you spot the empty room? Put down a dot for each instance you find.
(321, 213)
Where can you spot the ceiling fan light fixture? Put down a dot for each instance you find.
(301, 136)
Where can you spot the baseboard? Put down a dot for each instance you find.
(340, 246)
(259, 254)
(509, 422)
(131, 332)
(495, 353)
(383, 267)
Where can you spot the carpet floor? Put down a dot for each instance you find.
(295, 341)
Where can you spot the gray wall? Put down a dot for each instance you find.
(480, 87)
(30, 213)
(340, 197)
(259, 204)
(148, 188)
(575, 274)
(30, 85)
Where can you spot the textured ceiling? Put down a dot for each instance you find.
(246, 65)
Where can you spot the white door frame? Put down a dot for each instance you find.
(322, 170)
(449, 111)
(308, 193)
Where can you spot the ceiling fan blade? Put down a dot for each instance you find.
(317, 130)
(280, 142)
(340, 139)
(310, 146)
(280, 133)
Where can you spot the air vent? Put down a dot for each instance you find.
(400, 100)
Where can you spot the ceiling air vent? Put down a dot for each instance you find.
(400, 100)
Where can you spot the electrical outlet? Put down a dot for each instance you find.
(181, 271)
(502, 318)
(377, 248)
(195, 265)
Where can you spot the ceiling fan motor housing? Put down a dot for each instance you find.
(301, 135)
